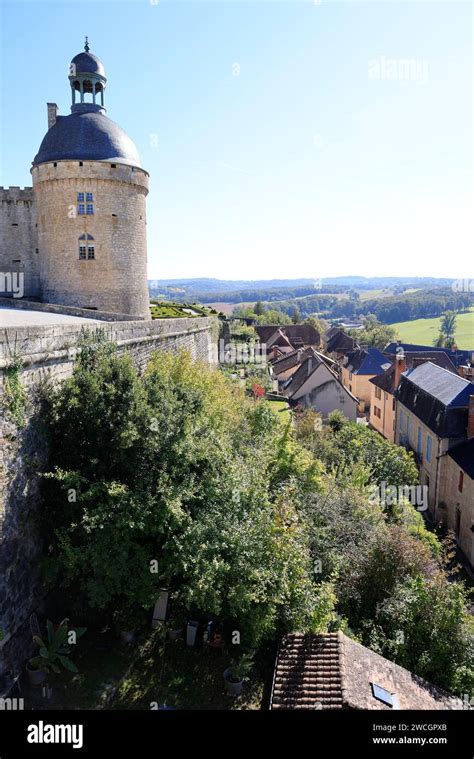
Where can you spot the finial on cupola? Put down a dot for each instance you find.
(86, 45)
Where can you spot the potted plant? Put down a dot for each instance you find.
(235, 675)
(175, 626)
(126, 621)
(52, 652)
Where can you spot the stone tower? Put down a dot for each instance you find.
(90, 193)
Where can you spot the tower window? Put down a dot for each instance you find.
(86, 248)
(80, 163)
(86, 207)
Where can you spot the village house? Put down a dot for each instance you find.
(435, 419)
(459, 358)
(357, 370)
(332, 671)
(382, 399)
(457, 492)
(289, 336)
(337, 343)
(309, 380)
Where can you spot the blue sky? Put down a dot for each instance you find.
(283, 139)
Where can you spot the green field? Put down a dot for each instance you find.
(425, 331)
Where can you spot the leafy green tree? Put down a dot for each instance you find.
(374, 334)
(425, 627)
(295, 315)
(274, 316)
(321, 325)
(259, 308)
(346, 443)
(176, 469)
(445, 338)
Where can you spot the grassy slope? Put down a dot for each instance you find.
(424, 331)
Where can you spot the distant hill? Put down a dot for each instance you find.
(209, 290)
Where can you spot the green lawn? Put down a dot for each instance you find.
(425, 331)
(170, 310)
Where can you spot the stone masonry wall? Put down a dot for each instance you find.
(116, 279)
(19, 238)
(49, 352)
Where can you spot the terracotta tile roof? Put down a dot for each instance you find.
(340, 343)
(308, 673)
(296, 334)
(332, 671)
(287, 362)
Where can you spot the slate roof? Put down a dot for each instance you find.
(437, 397)
(386, 380)
(90, 136)
(450, 389)
(463, 455)
(86, 63)
(458, 357)
(363, 362)
(332, 671)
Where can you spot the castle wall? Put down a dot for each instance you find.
(18, 241)
(48, 353)
(116, 280)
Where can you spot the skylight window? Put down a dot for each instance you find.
(383, 695)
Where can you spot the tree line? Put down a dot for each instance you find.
(266, 526)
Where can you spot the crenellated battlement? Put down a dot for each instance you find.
(16, 193)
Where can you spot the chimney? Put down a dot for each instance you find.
(470, 418)
(52, 113)
(400, 366)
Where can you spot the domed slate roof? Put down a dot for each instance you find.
(87, 136)
(86, 63)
